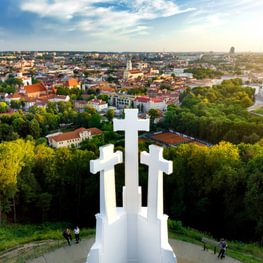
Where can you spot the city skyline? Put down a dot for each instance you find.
(136, 25)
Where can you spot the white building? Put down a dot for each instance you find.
(98, 105)
(89, 83)
(73, 138)
(179, 72)
(59, 98)
(26, 80)
(146, 103)
(121, 101)
(130, 73)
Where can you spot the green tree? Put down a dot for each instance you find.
(7, 133)
(44, 203)
(153, 113)
(14, 81)
(79, 170)
(52, 107)
(3, 107)
(13, 157)
(64, 106)
(254, 195)
(15, 104)
(34, 128)
(110, 114)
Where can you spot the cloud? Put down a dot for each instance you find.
(64, 10)
(111, 16)
(209, 15)
(212, 16)
(246, 4)
(2, 32)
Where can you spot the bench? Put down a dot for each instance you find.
(207, 241)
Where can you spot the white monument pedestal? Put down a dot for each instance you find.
(131, 233)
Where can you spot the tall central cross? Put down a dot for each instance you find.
(157, 165)
(131, 125)
(105, 165)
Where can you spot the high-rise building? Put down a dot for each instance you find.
(232, 50)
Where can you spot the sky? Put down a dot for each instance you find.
(132, 25)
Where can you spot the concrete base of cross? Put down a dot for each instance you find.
(152, 240)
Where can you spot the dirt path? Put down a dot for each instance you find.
(191, 253)
(77, 253)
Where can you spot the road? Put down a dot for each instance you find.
(258, 103)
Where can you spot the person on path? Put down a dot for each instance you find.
(67, 235)
(76, 232)
(222, 247)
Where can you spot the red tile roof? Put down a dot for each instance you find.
(15, 95)
(29, 99)
(95, 131)
(81, 102)
(170, 138)
(97, 102)
(75, 134)
(156, 100)
(72, 83)
(52, 96)
(135, 71)
(35, 88)
(145, 99)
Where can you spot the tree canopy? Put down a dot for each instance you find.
(217, 113)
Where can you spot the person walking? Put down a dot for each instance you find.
(76, 232)
(222, 246)
(67, 235)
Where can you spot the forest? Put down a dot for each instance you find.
(217, 189)
(217, 113)
(202, 73)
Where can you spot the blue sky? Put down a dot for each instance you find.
(131, 25)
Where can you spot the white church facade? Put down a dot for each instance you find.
(130, 73)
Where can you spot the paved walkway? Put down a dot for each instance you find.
(77, 253)
(257, 104)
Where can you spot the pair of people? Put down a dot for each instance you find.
(67, 235)
(222, 247)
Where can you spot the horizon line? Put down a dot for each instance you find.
(97, 51)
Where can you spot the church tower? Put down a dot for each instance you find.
(126, 72)
(128, 65)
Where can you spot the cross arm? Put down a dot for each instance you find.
(155, 157)
(107, 160)
(131, 122)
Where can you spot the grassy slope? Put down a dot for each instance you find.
(22, 242)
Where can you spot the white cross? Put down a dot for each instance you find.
(157, 165)
(131, 125)
(105, 165)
